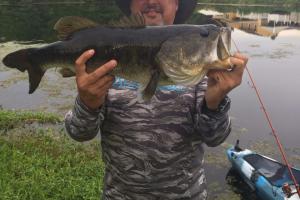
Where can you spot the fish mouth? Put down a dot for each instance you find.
(223, 51)
(223, 48)
(224, 44)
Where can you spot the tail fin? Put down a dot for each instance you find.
(22, 61)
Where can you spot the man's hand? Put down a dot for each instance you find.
(93, 87)
(220, 83)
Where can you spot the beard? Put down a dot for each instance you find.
(153, 20)
(152, 7)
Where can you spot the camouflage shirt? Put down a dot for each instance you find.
(152, 150)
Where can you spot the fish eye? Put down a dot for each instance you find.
(204, 32)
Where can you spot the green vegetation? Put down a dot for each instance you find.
(12, 119)
(23, 21)
(33, 20)
(44, 163)
(109, 1)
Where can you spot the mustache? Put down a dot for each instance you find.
(152, 7)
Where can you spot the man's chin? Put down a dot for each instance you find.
(154, 21)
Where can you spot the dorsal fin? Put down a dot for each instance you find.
(134, 21)
(65, 26)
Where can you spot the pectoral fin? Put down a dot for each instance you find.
(148, 91)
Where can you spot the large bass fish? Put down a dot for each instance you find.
(150, 55)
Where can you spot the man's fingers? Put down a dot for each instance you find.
(239, 64)
(104, 80)
(97, 89)
(212, 73)
(102, 89)
(215, 76)
(106, 86)
(241, 56)
(80, 66)
(103, 70)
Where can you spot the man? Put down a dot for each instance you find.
(153, 150)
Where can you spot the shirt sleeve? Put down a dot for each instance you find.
(212, 126)
(83, 124)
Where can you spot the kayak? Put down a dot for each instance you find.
(267, 177)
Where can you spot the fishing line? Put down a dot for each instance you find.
(283, 154)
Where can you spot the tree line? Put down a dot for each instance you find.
(200, 1)
(27, 20)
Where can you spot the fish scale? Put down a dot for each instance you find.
(151, 55)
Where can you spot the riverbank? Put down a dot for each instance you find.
(39, 161)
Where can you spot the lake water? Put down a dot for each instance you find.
(274, 64)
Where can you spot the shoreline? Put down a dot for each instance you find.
(249, 5)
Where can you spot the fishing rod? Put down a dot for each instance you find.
(283, 154)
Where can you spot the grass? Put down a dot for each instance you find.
(11, 119)
(44, 163)
(38, 161)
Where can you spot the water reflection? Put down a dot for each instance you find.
(274, 64)
(262, 24)
(238, 186)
